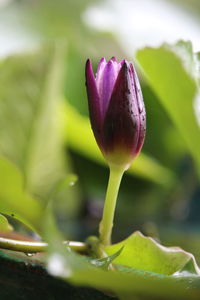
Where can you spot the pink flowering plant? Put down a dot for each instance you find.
(118, 119)
(35, 181)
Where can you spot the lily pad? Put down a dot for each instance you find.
(145, 253)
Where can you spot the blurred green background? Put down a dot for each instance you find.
(45, 137)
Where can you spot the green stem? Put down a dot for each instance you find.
(34, 247)
(105, 228)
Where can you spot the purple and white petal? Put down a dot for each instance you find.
(93, 100)
(106, 82)
(100, 70)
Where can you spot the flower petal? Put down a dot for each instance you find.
(121, 124)
(140, 103)
(101, 65)
(105, 82)
(114, 59)
(93, 100)
(122, 62)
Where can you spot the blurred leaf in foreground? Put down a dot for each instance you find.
(170, 71)
(4, 225)
(14, 200)
(30, 132)
(29, 122)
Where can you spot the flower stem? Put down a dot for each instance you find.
(106, 224)
(34, 247)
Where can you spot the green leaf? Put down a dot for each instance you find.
(68, 181)
(105, 262)
(4, 225)
(29, 120)
(14, 200)
(144, 253)
(30, 127)
(127, 283)
(77, 270)
(171, 72)
(78, 130)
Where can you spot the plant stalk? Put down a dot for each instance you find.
(106, 224)
(34, 247)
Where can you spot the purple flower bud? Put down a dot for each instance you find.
(116, 108)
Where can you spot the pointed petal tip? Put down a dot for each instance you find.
(89, 74)
(113, 64)
(102, 60)
(88, 61)
(110, 62)
(125, 65)
(88, 65)
(101, 65)
(132, 68)
(113, 59)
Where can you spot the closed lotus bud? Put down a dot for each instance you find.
(117, 111)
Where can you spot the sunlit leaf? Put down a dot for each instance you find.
(144, 253)
(14, 200)
(171, 72)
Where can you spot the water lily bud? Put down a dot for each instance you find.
(117, 111)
